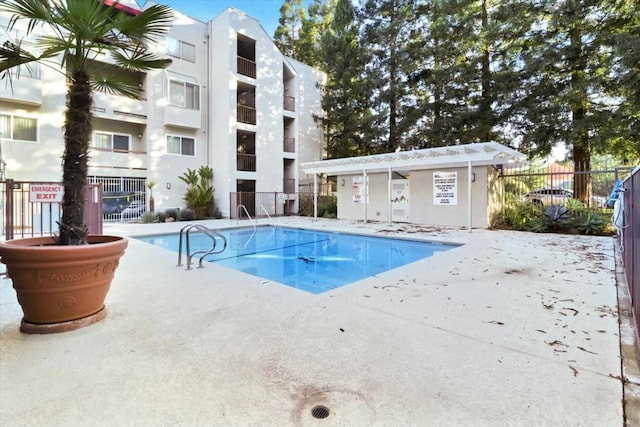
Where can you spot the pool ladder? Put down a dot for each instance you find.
(253, 223)
(212, 234)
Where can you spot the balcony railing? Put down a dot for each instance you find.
(289, 185)
(246, 67)
(289, 145)
(246, 114)
(246, 162)
(289, 103)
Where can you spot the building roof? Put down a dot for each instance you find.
(478, 154)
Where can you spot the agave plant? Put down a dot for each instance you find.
(73, 34)
(556, 216)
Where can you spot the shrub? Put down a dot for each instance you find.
(187, 215)
(149, 218)
(521, 216)
(171, 213)
(589, 223)
(556, 217)
(327, 206)
(305, 206)
(162, 216)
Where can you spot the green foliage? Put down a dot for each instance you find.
(556, 217)
(574, 205)
(346, 96)
(590, 223)
(199, 193)
(149, 218)
(520, 216)
(327, 206)
(305, 206)
(286, 35)
(571, 218)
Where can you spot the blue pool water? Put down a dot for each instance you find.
(313, 261)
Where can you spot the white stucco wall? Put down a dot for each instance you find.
(213, 126)
(422, 208)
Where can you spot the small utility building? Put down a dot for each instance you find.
(447, 186)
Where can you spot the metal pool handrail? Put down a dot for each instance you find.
(248, 216)
(214, 235)
(266, 212)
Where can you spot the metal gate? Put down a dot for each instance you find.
(22, 217)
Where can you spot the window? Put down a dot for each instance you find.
(184, 94)
(181, 49)
(111, 141)
(18, 128)
(181, 145)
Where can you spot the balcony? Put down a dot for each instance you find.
(246, 162)
(246, 67)
(289, 103)
(121, 108)
(246, 114)
(102, 158)
(289, 145)
(182, 117)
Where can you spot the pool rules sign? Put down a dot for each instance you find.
(445, 188)
(45, 193)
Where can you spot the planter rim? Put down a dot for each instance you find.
(31, 246)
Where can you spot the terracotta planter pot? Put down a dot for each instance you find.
(202, 212)
(61, 288)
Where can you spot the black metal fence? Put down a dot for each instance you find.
(628, 223)
(554, 184)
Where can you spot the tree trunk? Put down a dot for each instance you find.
(581, 143)
(77, 133)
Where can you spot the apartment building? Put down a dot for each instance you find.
(230, 100)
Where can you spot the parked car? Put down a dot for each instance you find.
(559, 196)
(134, 210)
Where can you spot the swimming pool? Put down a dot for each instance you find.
(313, 261)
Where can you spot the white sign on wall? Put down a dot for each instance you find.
(360, 189)
(45, 193)
(445, 188)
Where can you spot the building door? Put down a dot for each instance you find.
(247, 196)
(400, 200)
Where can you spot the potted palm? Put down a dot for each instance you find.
(62, 281)
(199, 194)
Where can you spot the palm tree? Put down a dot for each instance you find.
(75, 33)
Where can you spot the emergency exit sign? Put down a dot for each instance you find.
(45, 193)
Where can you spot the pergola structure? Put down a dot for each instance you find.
(468, 155)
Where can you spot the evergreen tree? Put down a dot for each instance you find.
(568, 83)
(388, 26)
(345, 99)
(286, 35)
(624, 32)
(447, 72)
(320, 13)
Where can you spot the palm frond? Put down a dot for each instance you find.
(148, 26)
(139, 59)
(12, 55)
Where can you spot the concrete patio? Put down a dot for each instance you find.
(511, 328)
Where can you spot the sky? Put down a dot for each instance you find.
(267, 12)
